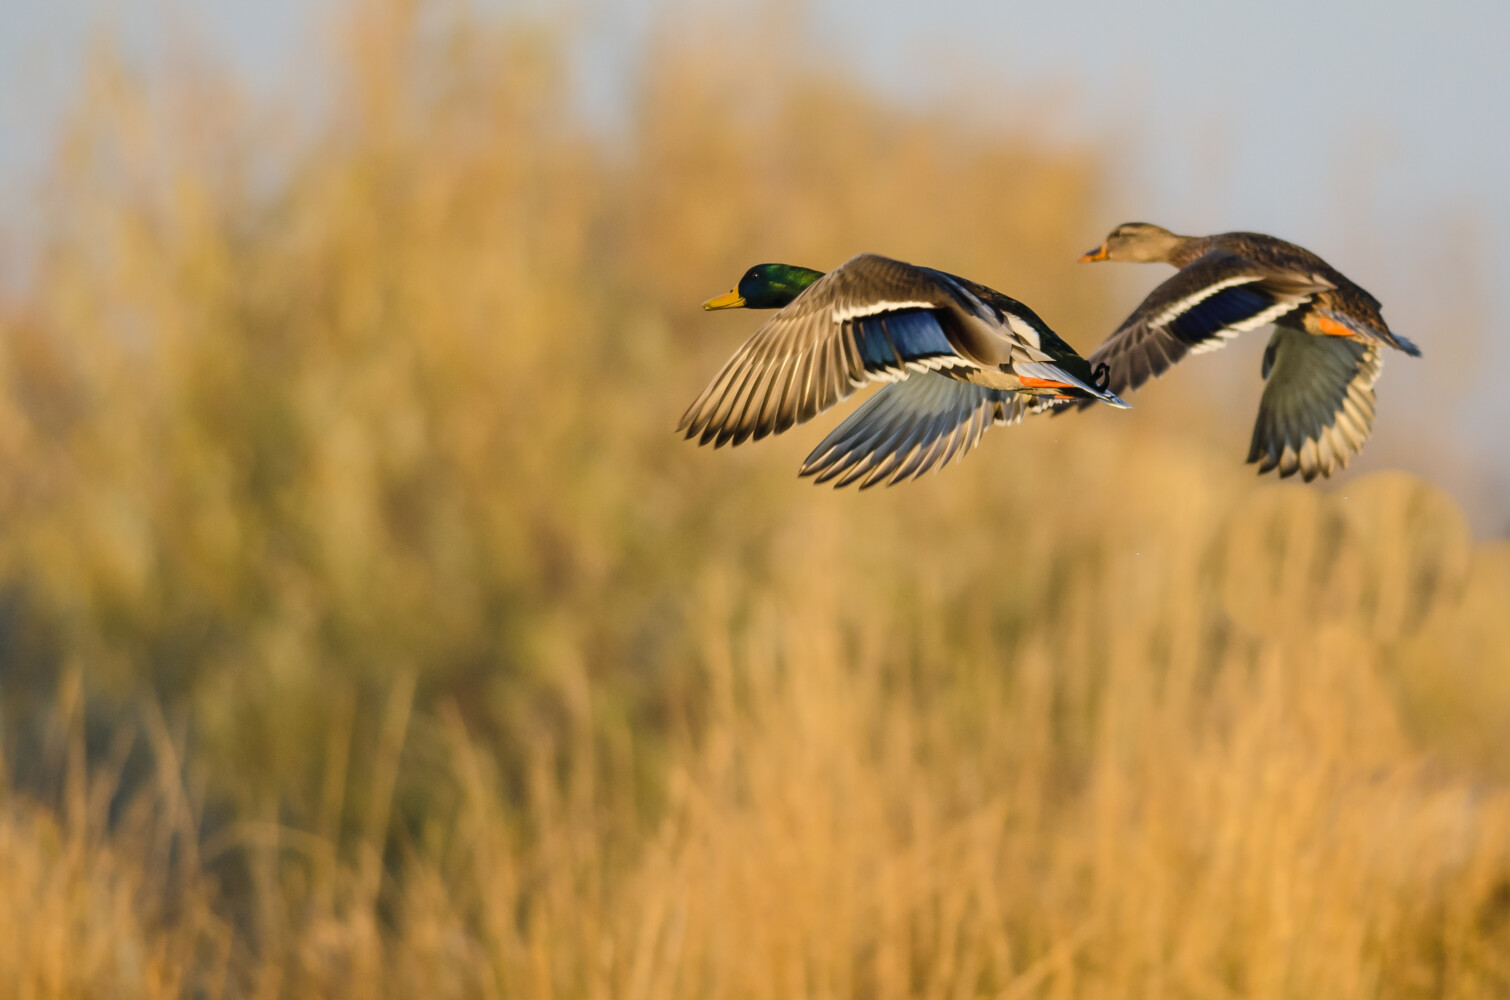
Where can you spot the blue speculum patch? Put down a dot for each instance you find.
(1211, 315)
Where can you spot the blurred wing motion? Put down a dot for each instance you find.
(1199, 309)
(873, 318)
(908, 428)
(1317, 408)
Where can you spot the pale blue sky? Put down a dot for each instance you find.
(1376, 133)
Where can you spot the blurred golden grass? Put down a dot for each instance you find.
(368, 633)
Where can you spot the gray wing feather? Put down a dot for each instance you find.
(1317, 408)
(910, 427)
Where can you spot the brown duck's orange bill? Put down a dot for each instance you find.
(1097, 254)
(728, 300)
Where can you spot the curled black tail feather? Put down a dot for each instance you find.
(1101, 377)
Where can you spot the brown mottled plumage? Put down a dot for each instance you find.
(1322, 361)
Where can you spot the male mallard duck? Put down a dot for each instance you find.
(1321, 363)
(960, 356)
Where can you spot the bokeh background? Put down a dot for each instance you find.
(366, 631)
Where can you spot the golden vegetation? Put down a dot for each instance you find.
(367, 632)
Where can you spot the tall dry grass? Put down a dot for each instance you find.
(367, 633)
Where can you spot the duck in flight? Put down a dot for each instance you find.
(1323, 358)
(960, 358)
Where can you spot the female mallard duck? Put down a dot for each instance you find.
(960, 356)
(1320, 366)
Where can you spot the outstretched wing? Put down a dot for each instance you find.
(1206, 303)
(872, 318)
(1317, 409)
(908, 428)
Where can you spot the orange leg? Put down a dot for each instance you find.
(1332, 328)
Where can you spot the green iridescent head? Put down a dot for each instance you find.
(766, 286)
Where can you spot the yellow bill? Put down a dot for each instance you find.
(728, 300)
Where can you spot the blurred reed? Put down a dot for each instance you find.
(368, 633)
